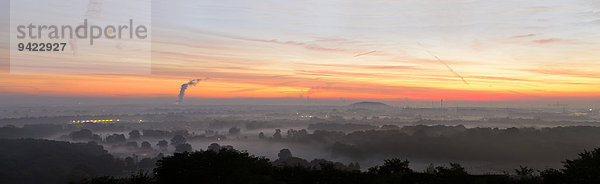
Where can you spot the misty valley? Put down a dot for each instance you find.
(299, 92)
(61, 144)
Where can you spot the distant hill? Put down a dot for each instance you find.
(368, 105)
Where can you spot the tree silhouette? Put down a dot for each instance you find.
(214, 147)
(524, 171)
(585, 169)
(392, 166)
(185, 147)
(455, 169)
(115, 139)
(226, 166)
(146, 145)
(277, 134)
(284, 153)
(177, 140)
(163, 144)
(84, 135)
(134, 135)
(234, 130)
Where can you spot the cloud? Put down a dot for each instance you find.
(333, 73)
(275, 41)
(244, 90)
(362, 67)
(547, 41)
(365, 53)
(564, 72)
(499, 78)
(524, 36)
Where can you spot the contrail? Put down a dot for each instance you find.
(364, 53)
(446, 64)
(192, 82)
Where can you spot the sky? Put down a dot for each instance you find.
(417, 49)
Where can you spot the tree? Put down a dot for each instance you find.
(552, 176)
(163, 144)
(84, 135)
(115, 139)
(430, 169)
(584, 169)
(225, 166)
(46, 161)
(455, 169)
(524, 171)
(135, 178)
(185, 147)
(214, 147)
(134, 135)
(354, 166)
(177, 140)
(392, 166)
(234, 130)
(146, 145)
(296, 134)
(277, 134)
(284, 153)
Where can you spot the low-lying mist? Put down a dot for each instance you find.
(484, 140)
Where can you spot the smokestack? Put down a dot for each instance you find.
(192, 82)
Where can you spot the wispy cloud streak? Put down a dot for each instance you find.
(446, 64)
(524, 36)
(275, 41)
(362, 54)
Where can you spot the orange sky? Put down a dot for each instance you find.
(342, 49)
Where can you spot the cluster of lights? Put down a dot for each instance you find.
(94, 121)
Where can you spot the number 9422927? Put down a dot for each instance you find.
(41, 47)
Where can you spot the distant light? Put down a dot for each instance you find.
(591, 110)
(92, 121)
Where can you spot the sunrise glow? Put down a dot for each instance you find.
(466, 50)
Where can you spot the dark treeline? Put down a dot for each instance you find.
(45, 161)
(517, 145)
(348, 127)
(29, 131)
(228, 165)
(205, 129)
